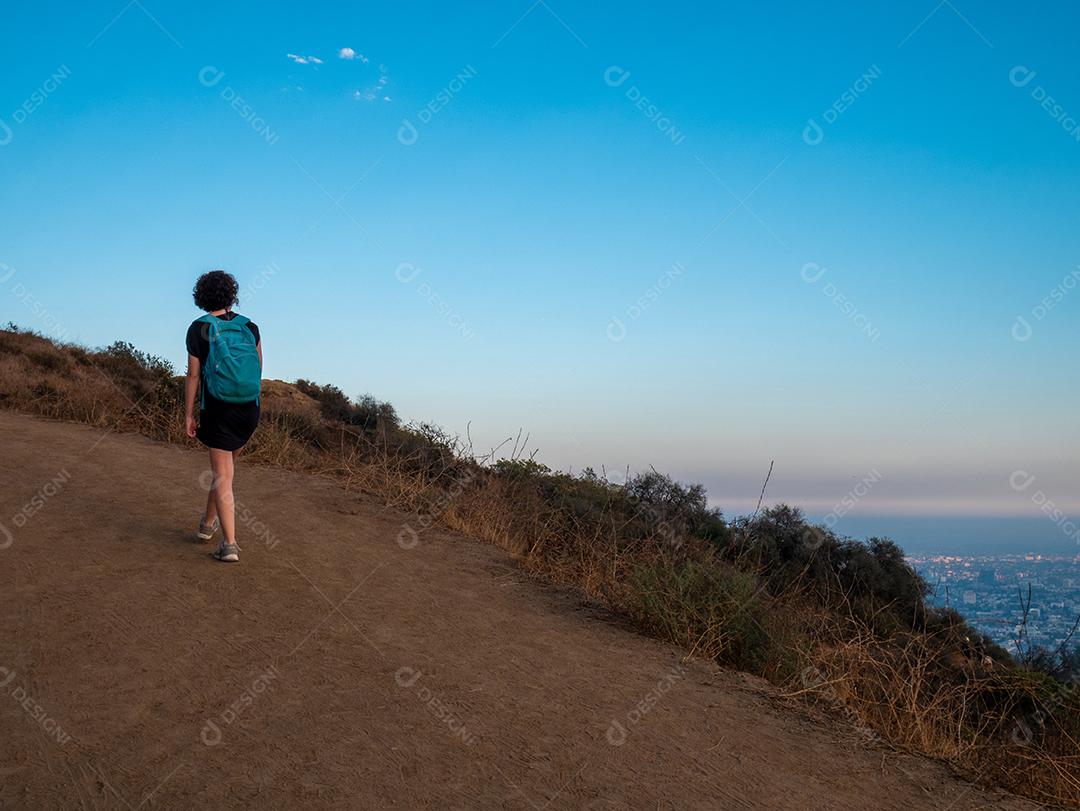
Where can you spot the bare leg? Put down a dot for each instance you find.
(211, 506)
(221, 463)
(211, 511)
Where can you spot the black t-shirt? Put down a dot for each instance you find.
(198, 337)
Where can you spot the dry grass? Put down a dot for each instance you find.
(711, 588)
(915, 693)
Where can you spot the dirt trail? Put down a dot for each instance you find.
(339, 669)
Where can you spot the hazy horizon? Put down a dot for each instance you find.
(965, 535)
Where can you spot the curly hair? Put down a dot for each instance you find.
(216, 290)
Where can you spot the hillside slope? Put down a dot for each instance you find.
(335, 666)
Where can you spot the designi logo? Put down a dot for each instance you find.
(211, 734)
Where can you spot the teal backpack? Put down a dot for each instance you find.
(233, 370)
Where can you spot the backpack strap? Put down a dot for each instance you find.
(209, 319)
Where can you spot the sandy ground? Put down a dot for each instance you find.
(332, 667)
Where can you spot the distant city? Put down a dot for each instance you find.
(987, 590)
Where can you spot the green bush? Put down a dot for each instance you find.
(366, 412)
(716, 610)
(370, 413)
(520, 468)
(871, 578)
(122, 356)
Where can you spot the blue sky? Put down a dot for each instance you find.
(842, 300)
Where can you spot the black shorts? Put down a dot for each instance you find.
(227, 426)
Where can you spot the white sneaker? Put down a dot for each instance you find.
(227, 552)
(206, 531)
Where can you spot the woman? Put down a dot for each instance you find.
(224, 373)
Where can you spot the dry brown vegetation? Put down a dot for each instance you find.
(838, 622)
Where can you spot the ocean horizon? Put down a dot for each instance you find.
(962, 535)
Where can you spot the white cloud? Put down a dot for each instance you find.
(304, 60)
(350, 54)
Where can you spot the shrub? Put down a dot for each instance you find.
(333, 402)
(365, 413)
(714, 611)
(370, 413)
(520, 468)
(122, 356)
(871, 578)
